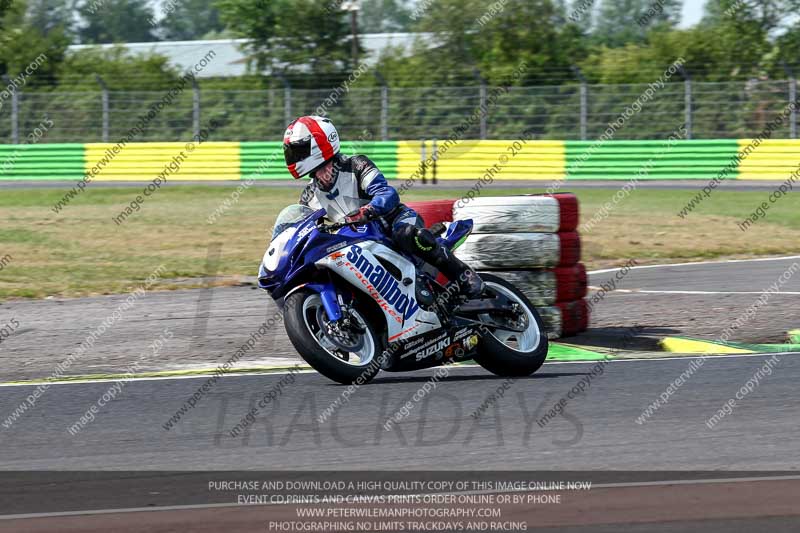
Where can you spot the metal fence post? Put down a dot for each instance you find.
(104, 104)
(14, 116)
(792, 99)
(584, 108)
(14, 110)
(435, 154)
(385, 113)
(287, 99)
(484, 111)
(687, 100)
(482, 93)
(422, 161)
(195, 108)
(584, 102)
(384, 106)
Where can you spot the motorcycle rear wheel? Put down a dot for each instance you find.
(511, 354)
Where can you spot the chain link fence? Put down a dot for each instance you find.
(566, 112)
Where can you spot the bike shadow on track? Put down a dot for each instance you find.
(620, 338)
(488, 377)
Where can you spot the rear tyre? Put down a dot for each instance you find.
(507, 353)
(305, 324)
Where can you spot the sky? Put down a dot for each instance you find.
(692, 12)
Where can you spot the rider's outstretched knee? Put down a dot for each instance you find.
(414, 240)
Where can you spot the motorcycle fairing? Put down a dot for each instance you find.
(456, 234)
(300, 247)
(432, 348)
(360, 265)
(361, 255)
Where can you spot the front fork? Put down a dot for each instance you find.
(338, 323)
(330, 299)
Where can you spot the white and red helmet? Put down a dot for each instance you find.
(308, 143)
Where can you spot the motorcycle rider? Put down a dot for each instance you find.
(351, 189)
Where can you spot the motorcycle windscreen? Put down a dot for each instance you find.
(290, 216)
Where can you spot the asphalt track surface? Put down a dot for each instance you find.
(458, 185)
(697, 300)
(208, 325)
(597, 431)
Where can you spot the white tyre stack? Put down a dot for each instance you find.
(531, 241)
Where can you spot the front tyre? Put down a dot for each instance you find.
(306, 324)
(511, 353)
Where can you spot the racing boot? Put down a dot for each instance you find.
(422, 243)
(457, 271)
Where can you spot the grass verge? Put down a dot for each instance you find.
(81, 251)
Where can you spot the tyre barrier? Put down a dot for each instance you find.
(433, 211)
(551, 316)
(545, 287)
(520, 214)
(574, 316)
(565, 318)
(531, 241)
(520, 251)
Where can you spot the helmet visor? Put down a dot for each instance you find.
(296, 151)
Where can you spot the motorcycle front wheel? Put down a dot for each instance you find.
(351, 358)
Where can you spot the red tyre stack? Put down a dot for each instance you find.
(433, 211)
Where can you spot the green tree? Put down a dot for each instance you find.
(710, 53)
(50, 15)
(22, 42)
(769, 15)
(120, 70)
(788, 49)
(621, 22)
(383, 16)
(292, 35)
(5, 5)
(187, 20)
(115, 21)
(495, 38)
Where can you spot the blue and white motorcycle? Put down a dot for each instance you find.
(354, 306)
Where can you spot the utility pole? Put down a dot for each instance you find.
(353, 7)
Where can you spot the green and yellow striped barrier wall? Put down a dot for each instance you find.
(264, 160)
(532, 160)
(653, 160)
(185, 161)
(41, 161)
(774, 159)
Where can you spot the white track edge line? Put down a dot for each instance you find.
(720, 262)
(649, 291)
(462, 367)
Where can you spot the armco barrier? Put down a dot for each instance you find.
(467, 160)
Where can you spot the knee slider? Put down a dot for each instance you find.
(424, 240)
